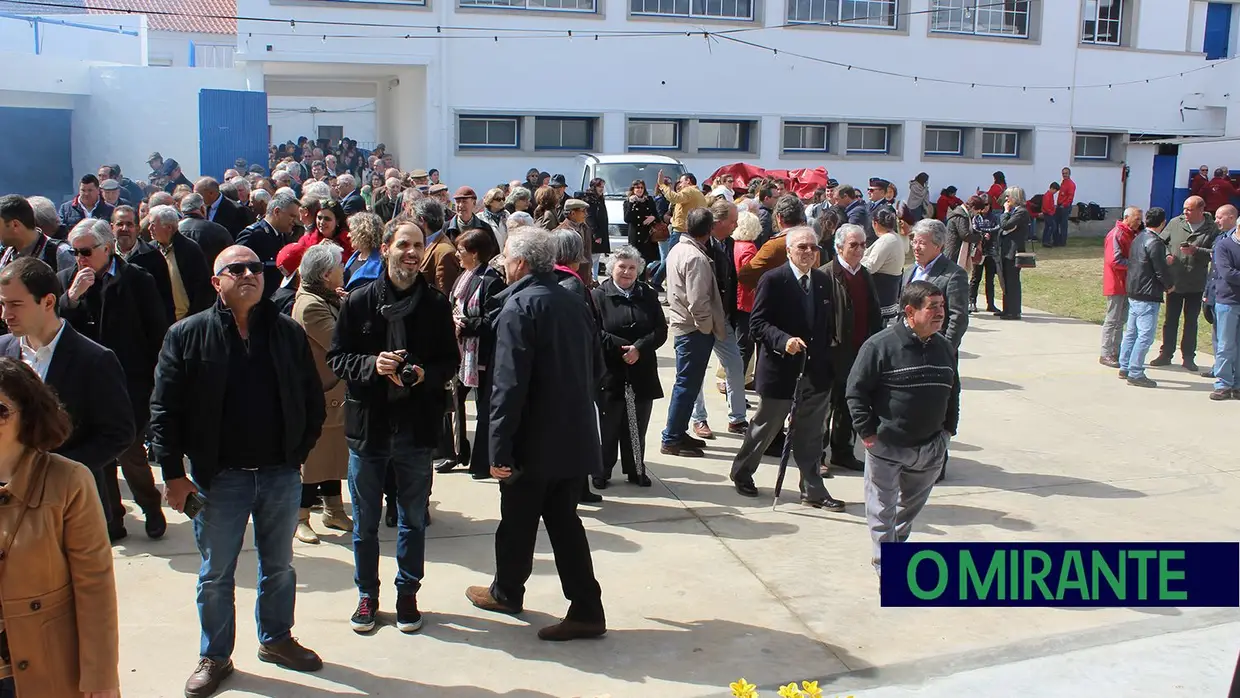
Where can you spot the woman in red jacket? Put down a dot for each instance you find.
(331, 224)
(748, 227)
(947, 201)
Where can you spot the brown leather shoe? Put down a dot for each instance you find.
(206, 679)
(572, 630)
(702, 430)
(482, 598)
(290, 655)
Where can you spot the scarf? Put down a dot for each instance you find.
(465, 304)
(320, 289)
(395, 314)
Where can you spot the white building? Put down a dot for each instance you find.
(483, 104)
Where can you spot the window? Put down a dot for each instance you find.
(867, 139)
(805, 138)
(1000, 144)
(654, 134)
(943, 141)
(213, 55)
(563, 134)
(487, 132)
(554, 5)
(723, 135)
(1101, 21)
(332, 134)
(981, 17)
(848, 13)
(718, 9)
(1092, 146)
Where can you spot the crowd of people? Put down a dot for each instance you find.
(270, 337)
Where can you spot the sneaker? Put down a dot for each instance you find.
(1190, 365)
(363, 620)
(1161, 360)
(1108, 362)
(1221, 394)
(206, 679)
(1142, 382)
(738, 427)
(408, 617)
(702, 429)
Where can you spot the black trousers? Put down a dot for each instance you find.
(990, 269)
(1011, 287)
(744, 338)
(617, 440)
(522, 504)
(1188, 304)
(310, 492)
(839, 422)
(453, 442)
(480, 457)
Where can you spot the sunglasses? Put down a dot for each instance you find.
(239, 268)
(83, 251)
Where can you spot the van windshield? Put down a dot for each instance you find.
(620, 175)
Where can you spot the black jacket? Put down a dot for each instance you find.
(637, 321)
(904, 390)
(635, 214)
(131, 322)
(1014, 230)
(477, 322)
(231, 216)
(266, 243)
(192, 377)
(353, 203)
(720, 252)
(71, 214)
(1149, 277)
(212, 238)
(195, 274)
(148, 257)
(362, 332)
(547, 370)
(89, 382)
(780, 313)
(596, 221)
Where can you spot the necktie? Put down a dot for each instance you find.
(805, 283)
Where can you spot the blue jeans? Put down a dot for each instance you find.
(1061, 225)
(412, 467)
(729, 353)
(1138, 336)
(1227, 339)
(1048, 230)
(692, 356)
(665, 247)
(271, 497)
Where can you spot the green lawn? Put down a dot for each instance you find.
(1068, 282)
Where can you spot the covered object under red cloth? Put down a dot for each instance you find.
(801, 182)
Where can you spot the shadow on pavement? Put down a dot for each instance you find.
(352, 681)
(971, 383)
(967, 472)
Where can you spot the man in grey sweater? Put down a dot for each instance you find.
(904, 397)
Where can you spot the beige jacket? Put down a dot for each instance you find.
(685, 200)
(329, 460)
(693, 300)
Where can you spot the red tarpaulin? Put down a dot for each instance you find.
(800, 182)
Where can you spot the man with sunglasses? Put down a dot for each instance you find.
(237, 392)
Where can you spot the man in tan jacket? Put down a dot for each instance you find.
(696, 320)
(683, 198)
(439, 265)
(789, 213)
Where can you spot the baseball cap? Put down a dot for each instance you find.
(170, 166)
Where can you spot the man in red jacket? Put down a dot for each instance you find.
(1048, 215)
(1115, 283)
(1218, 191)
(1063, 206)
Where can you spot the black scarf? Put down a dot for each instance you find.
(395, 313)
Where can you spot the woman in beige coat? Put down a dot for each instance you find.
(315, 308)
(58, 622)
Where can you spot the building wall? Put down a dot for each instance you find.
(119, 39)
(172, 49)
(291, 117)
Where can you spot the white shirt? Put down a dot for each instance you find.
(920, 273)
(851, 270)
(214, 207)
(40, 359)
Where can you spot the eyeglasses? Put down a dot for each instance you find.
(83, 251)
(805, 248)
(239, 268)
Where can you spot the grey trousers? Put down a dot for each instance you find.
(1113, 326)
(898, 481)
(809, 423)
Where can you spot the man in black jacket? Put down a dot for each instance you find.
(904, 396)
(88, 203)
(1149, 279)
(350, 200)
(395, 346)
(220, 209)
(21, 237)
(87, 378)
(213, 238)
(930, 264)
(141, 253)
(544, 437)
(189, 272)
(794, 321)
(115, 303)
(266, 237)
(238, 393)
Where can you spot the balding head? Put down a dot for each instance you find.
(233, 253)
(162, 198)
(1132, 217)
(1225, 216)
(1194, 209)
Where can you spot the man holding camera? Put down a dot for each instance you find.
(395, 346)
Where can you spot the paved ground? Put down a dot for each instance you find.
(703, 586)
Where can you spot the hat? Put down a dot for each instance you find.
(170, 166)
(289, 258)
(109, 185)
(380, 147)
(559, 181)
(878, 183)
(154, 156)
(575, 205)
(419, 174)
(436, 188)
(465, 193)
(833, 184)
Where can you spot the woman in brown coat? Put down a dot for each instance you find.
(547, 208)
(58, 623)
(316, 308)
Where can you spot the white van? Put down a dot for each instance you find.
(619, 171)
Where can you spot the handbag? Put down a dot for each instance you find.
(659, 231)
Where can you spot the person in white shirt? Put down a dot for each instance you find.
(885, 262)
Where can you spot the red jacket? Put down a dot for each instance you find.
(995, 193)
(742, 252)
(1218, 192)
(291, 254)
(1115, 260)
(945, 204)
(1048, 203)
(1067, 192)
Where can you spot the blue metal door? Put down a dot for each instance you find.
(1162, 184)
(231, 124)
(35, 159)
(1218, 30)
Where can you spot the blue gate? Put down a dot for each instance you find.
(35, 159)
(231, 124)
(1162, 184)
(1218, 30)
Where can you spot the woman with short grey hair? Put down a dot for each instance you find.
(1014, 227)
(518, 201)
(316, 308)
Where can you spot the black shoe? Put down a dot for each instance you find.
(600, 483)
(1161, 360)
(445, 466)
(639, 480)
(206, 679)
(1108, 361)
(480, 476)
(408, 617)
(848, 461)
(363, 620)
(1005, 316)
(746, 488)
(117, 532)
(156, 524)
(1142, 382)
(291, 655)
(1208, 373)
(682, 451)
(588, 497)
(972, 306)
(993, 310)
(1221, 394)
(390, 517)
(825, 503)
(687, 440)
(1190, 366)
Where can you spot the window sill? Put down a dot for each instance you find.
(1015, 40)
(1134, 49)
(716, 21)
(510, 11)
(354, 4)
(889, 31)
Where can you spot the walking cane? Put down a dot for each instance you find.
(787, 450)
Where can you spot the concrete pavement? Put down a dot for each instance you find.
(703, 586)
